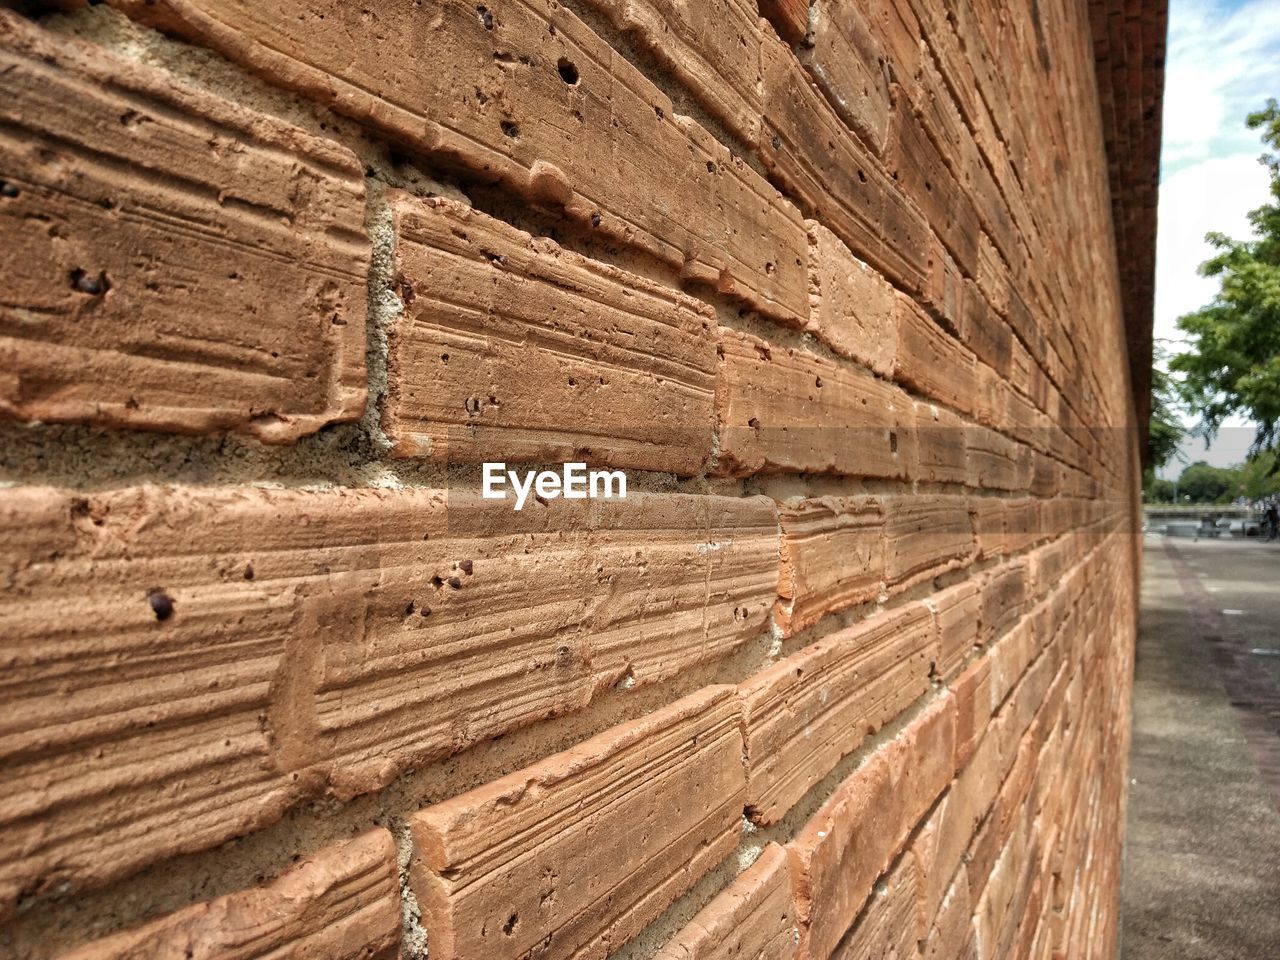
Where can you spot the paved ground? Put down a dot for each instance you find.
(1202, 857)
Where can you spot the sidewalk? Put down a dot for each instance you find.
(1202, 856)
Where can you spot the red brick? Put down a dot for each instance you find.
(950, 936)
(974, 705)
(151, 232)
(318, 637)
(789, 17)
(752, 917)
(712, 48)
(941, 447)
(957, 611)
(832, 558)
(986, 333)
(1004, 594)
(925, 535)
(845, 58)
(896, 25)
(782, 409)
(341, 903)
(486, 93)
(512, 349)
(931, 361)
(579, 852)
(808, 149)
(995, 461)
(887, 927)
(851, 307)
(853, 838)
(988, 515)
(810, 710)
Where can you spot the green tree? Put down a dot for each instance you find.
(1156, 490)
(1165, 430)
(1261, 477)
(1233, 366)
(1202, 483)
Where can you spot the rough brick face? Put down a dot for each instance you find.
(832, 558)
(148, 229)
(627, 822)
(752, 917)
(513, 349)
(810, 710)
(553, 135)
(342, 903)
(781, 409)
(326, 636)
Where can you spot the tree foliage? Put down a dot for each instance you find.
(1233, 366)
(1165, 430)
(1202, 483)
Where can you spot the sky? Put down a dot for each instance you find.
(1223, 62)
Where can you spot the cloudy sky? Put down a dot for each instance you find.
(1223, 62)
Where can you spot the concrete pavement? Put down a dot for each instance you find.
(1202, 853)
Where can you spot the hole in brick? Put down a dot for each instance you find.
(862, 177)
(444, 357)
(7, 189)
(248, 571)
(512, 130)
(485, 17)
(711, 167)
(455, 582)
(817, 382)
(160, 602)
(509, 927)
(753, 423)
(82, 282)
(595, 219)
(410, 608)
(437, 581)
(568, 72)
(893, 442)
(658, 111)
(776, 142)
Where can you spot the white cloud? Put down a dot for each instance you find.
(1212, 195)
(1223, 62)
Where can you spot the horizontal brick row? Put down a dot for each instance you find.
(342, 903)
(150, 229)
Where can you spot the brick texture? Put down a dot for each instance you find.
(343, 903)
(149, 229)
(627, 822)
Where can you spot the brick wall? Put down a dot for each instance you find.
(845, 675)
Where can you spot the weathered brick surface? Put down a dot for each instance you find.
(807, 147)
(713, 48)
(752, 917)
(925, 536)
(148, 230)
(249, 646)
(931, 361)
(846, 59)
(511, 348)
(957, 610)
(342, 903)
(810, 710)
(832, 558)
(525, 94)
(782, 409)
(851, 307)
(574, 855)
(887, 927)
(853, 839)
